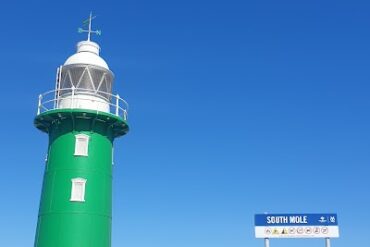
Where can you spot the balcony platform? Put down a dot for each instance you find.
(77, 119)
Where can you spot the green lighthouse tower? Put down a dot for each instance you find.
(82, 118)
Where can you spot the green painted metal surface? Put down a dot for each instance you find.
(66, 223)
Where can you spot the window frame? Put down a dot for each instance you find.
(74, 196)
(80, 139)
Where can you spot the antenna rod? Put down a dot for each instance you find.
(89, 32)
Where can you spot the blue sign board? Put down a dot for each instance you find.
(296, 220)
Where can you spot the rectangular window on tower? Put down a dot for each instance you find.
(82, 145)
(78, 190)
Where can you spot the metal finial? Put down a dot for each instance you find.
(89, 31)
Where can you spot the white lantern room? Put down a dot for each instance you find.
(85, 81)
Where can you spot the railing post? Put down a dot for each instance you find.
(73, 95)
(117, 104)
(124, 114)
(39, 105)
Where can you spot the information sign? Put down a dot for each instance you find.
(296, 226)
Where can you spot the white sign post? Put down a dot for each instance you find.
(296, 226)
(327, 242)
(267, 242)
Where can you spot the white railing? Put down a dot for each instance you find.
(67, 98)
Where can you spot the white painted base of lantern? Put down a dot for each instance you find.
(83, 101)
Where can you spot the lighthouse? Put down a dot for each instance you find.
(82, 118)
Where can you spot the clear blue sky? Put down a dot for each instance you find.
(236, 108)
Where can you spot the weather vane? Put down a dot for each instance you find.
(89, 31)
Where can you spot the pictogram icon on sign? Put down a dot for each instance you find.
(332, 219)
(322, 219)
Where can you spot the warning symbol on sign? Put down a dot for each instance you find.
(285, 231)
(275, 231)
(291, 230)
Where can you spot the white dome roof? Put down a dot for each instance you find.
(87, 53)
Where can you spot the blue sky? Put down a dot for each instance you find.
(236, 108)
